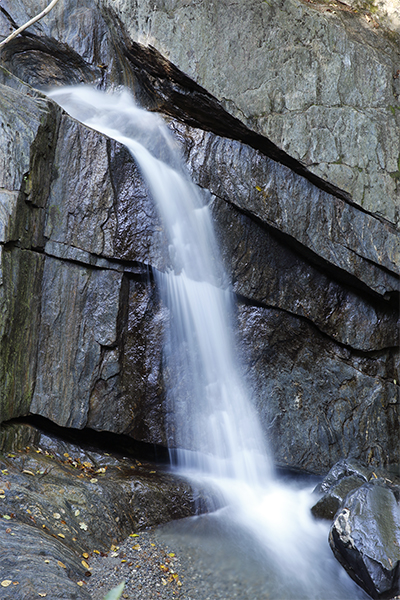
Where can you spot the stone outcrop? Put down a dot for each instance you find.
(315, 268)
(60, 502)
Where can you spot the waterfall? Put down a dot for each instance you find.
(214, 433)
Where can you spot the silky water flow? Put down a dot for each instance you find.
(263, 529)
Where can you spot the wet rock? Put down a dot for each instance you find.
(59, 503)
(317, 275)
(324, 401)
(329, 504)
(365, 538)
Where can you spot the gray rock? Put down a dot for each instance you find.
(329, 504)
(313, 271)
(365, 538)
(59, 502)
(79, 311)
(327, 227)
(337, 117)
(324, 401)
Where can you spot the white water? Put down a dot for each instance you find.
(214, 431)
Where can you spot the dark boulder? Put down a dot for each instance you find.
(365, 538)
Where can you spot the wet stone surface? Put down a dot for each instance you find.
(61, 505)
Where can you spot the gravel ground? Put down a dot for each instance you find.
(149, 568)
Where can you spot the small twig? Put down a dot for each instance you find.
(29, 23)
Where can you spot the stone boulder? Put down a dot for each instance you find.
(364, 507)
(365, 538)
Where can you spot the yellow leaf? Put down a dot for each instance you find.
(85, 555)
(163, 582)
(7, 517)
(83, 526)
(60, 564)
(152, 471)
(80, 583)
(136, 547)
(84, 563)
(28, 472)
(6, 582)
(93, 480)
(88, 465)
(152, 544)
(2, 492)
(258, 188)
(61, 535)
(42, 594)
(171, 554)
(96, 551)
(133, 535)
(57, 515)
(66, 454)
(47, 561)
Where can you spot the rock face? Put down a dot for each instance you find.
(313, 253)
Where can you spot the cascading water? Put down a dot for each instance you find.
(214, 434)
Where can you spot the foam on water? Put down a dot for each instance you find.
(214, 434)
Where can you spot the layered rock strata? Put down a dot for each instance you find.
(316, 271)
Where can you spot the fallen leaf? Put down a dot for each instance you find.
(152, 544)
(42, 594)
(88, 465)
(60, 564)
(84, 563)
(163, 581)
(57, 515)
(2, 492)
(136, 547)
(171, 554)
(6, 582)
(15, 582)
(47, 561)
(4, 471)
(152, 471)
(77, 513)
(83, 526)
(101, 470)
(8, 530)
(66, 454)
(7, 517)
(115, 593)
(80, 583)
(93, 480)
(28, 472)
(133, 535)
(96, 552)
(61, 535)
(85, 555)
